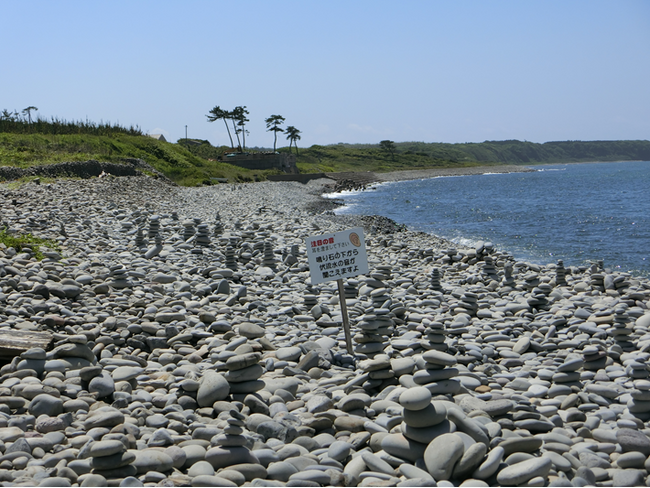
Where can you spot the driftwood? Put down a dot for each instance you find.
(13, 342)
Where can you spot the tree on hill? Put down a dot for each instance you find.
(239, 114)
(28, 112)
(388, 146)
(293, 135)
(273, 125)
(217, 113)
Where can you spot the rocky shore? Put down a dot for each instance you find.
(189, 348)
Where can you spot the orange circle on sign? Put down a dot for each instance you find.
(354, 239)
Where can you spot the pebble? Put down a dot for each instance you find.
(193, 351)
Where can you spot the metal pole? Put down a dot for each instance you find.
(346, 320)
(185, 133)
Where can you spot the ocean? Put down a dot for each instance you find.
(580, 213)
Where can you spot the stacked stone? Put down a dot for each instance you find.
(244, 369)
(435, 280)
(232, 435)
(622, 329)
(268, 258)
(539, 296)
(382, 272)
(508, 281)
(438, 375)
(127, 225)
(231, 262)
(174, 215)
(568, 373)
(380, 374)
(639, 402)
(350, 289)
(218, 225)
(621, 284)
(531, 280)
(434, 335)
(154, 226)
(188, 229)
(375, 326)
(422, 420)
(450, 256)
(295, 250)
(468, 304)
(595, 357)
(120, 277)
(489, 270)
(139, 238)
(110, 459)
(597, 280)
(560, 273)
(203, 235)
(310, 297)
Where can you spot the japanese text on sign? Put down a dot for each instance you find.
(337, 256)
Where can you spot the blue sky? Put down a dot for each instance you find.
(339, 71)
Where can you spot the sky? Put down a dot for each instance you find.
(338, 71)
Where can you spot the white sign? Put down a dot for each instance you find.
(337, 256)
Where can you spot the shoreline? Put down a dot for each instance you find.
(192, 348)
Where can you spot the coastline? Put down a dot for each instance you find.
(203, 334)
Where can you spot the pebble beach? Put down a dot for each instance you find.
(189, 348)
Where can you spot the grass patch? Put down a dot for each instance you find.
(24, 242)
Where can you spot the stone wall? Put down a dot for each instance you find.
(284, 162)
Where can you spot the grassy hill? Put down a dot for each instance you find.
(194, 162)
(23, 145)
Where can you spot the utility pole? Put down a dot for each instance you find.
(186, 133)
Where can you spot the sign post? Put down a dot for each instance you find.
(336, 256)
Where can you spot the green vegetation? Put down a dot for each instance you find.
(23, 242)
(27, 142)
(390, 156)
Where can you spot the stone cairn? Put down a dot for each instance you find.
(434, 335)
(268, 258)
(639, 402)
(218, 225)
(375, 326)
(438, 373)
(560, 273)
(231, 261)
(120, 277)
(109, 458)
(435, 280)
(621, 329)
(489, 271)
(422, 420)
(139, 238)
(188, 229)
(202, 235)
(508, 282)
(244, 369)
(154, 226)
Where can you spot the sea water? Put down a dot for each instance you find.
(580, 213)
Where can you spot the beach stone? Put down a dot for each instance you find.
(524, 471)
(213, 388)
(402, 447)
(442, 454)
(45, 404)
(633, 440)
(415, 399)
(629, 477)
(221, 457)
(214, 480)
(151, 460)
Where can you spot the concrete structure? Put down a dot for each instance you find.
(284, 162)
